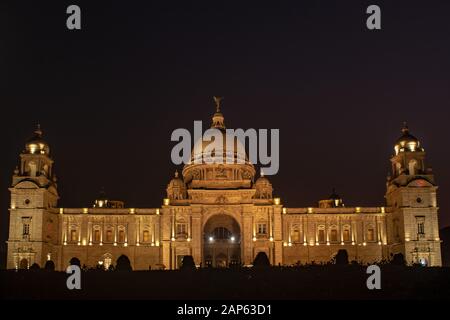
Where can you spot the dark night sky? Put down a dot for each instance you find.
(109, 96)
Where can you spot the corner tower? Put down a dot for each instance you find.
(411, 195)
(33, 226)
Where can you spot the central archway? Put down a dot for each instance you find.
(221, 242)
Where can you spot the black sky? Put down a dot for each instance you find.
(109, 96)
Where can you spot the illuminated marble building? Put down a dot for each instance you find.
(222, 214)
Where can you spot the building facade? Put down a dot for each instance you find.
(221, 214)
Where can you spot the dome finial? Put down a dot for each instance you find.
(176, 173)
(218, 119)
(262, 173)
(38, 130)
(405, 128)
(217, 100)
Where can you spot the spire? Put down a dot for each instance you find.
(176, 173)
(38, 130)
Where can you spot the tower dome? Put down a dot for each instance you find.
(176, 190)
(407, 142)
(36, 144)
(264, 189)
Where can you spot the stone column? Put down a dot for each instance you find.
(278, 235)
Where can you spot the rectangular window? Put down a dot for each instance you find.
(321, 235)
(109, 235)
(181, 229)
(346, 235)
(370, 235)
(421, 228)
(97, 235)
(262, 228)
(295, 237)
(73, 235)
(420, 220)
(146, 237)
(26, 229)
(121, 236)
(334, 235)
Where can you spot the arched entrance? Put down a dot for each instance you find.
(221, 242)
(23, 264)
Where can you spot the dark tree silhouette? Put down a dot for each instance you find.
(49, 265)
(261, 260)
(35, 266)
(75, 262)
(123, 264)
(188, 264)
(342, 257)
(398, 259)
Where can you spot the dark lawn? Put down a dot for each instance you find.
(316, 282)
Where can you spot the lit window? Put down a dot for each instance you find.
(146, 237)
(121, 236)
(26, 229)
(370, 235)
(333, 235)
(321, 235)
(346, 235)
(262, 228)
(421, 228)
(97, 235)
(295, 235)
(109, 235)
(181, 229)
(73, 235)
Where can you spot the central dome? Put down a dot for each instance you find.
(218, 165)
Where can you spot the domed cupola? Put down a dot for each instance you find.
(407, 142)
(37, 145)
(215, 165)
(264, 189)
(176, 190)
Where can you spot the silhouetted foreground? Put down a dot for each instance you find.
(313, 282)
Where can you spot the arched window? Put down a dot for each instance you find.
(32, 168)
(412, 167)
(23, 264)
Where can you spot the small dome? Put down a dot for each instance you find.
(263, 188)
(37, 145)
(176, 182)
(176, 190)
(262, 181)
(407, 142)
